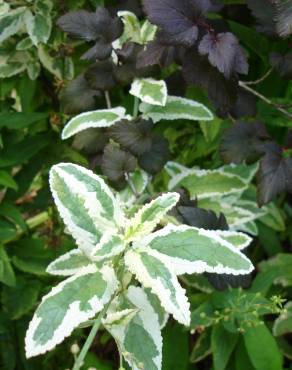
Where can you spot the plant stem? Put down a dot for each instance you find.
(136, 107)
(108, 100)
(265, 99)
(90, 338)
(255, 82)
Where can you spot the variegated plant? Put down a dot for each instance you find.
(125, 269)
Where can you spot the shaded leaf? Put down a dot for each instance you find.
(154, 160)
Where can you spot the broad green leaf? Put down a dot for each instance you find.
(244, 172)
(85, 203)
(283, 324)
(19, 300)
(207, 183)
(24, 44)
(175, 348)
(94, 119)
(18, 120)
(177, 108)
(38, 27)
(242, 361)
(67, 306)
(109, 246)
(69, 264)
(139, 337)
(149, 216)
(191, 250)
(202, 347)
(150, 91)
(222, 344)
(262, 348)
(7, 180)
(11, 22)
(7, 275)
(13, 214)
(157, 275)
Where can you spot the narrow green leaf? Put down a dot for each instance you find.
(7, 275)
(222, 345)
(18, 120)
(262, 348)
(7, 180)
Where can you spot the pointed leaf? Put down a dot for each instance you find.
(98, 118)
(150, 91)
(69, 264)
(177, 108)
(85, 203)
(158, 276)
(191, 250)
(208, 183)
(67, 306)
(149, 216)
(11, 22)
(109, 246)
(139, 338)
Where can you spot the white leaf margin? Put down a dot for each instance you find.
(180, 266)
(52, 270)
(137, 86)
(66, 133)
(73, 316)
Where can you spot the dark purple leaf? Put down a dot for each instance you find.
(224, 52)
(135, 136)
(198, 71)
(78, 97)
(224, 281)
(179, 18)
(275, 174)
(156, 53)
(243, 142)
(154, 160)
(284, 17)
(245, 105)
(91, 141)
(100, 76)
(264, 12)
(282, 63)
(116, 163)
(99, 27)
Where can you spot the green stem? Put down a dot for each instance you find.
(136, 107)
(108, 100)
(90, 338)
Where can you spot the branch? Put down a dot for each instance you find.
(255, 82)
(264, 98)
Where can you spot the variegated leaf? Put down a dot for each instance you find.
(94, 119)
(207, 183)
(69, 264)
(137, 333)
(243, 171)
(110, 245)
(174, 168)
(132, 30)
(85, 203)
(177, 108)
(139, 180)
(38, 27)
(67, 306)
(157, 274)
(150, 91)
(236, 239)
(11, 22)
(148, 217)
(160, 311)
(191, 250)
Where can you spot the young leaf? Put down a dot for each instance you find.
(7, 180)
(139, 338)
(206, 183)
(262, 348)
(177, 108)
(99, 118)
(69, 264)
(149, 216)
(158, 276)
(109, 246)
(85, 203)
(68, 305)
(150, 91)
(191, 250)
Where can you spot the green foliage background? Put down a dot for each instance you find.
(35, 66)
